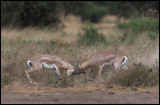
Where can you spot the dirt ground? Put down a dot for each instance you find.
(80, 98)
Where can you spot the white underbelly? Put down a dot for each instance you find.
(110, 63)
(51, 66)
(47, 66)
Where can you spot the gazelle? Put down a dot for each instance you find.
(38, 62)
(102, 59)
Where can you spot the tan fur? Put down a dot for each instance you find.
(37, 61)
(101, 58)
(50, 59)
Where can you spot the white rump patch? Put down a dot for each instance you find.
(125, 61)
(29, 64)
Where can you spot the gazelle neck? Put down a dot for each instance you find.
(66, 65)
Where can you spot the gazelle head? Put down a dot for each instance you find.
(69, 71)
(78, 69)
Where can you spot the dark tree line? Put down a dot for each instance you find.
(44, 13)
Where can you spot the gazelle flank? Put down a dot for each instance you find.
(36, 63)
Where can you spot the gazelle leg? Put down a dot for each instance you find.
(57, 70)
(99, 71)
(124, 67)
(28, 72)
(117, 67)
(87, 74)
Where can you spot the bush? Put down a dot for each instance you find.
(91, 11)
(138, 75)
(91, 36)
(138, 25)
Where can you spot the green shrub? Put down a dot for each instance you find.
(91, 36)
(138, 25)
(52, 42)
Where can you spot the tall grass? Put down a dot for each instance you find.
(138, 75)
(16, 53)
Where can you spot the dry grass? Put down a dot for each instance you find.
(67, 31)
(18, 45)
(19, 88)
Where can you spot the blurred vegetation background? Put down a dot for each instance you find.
(35, 13)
